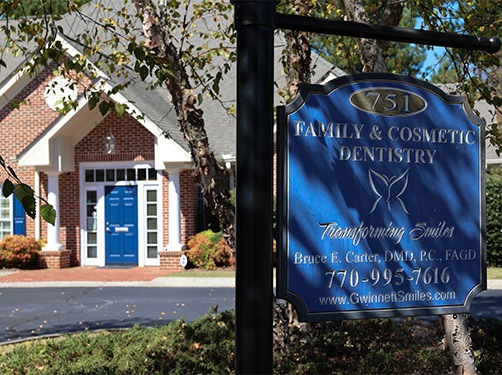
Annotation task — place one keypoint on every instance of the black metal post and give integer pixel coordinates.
(254, 22)
(396, 34)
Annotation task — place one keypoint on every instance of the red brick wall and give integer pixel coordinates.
(170, 260)
(188, 205)
(134, 142)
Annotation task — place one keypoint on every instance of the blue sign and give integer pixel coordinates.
(381, 200)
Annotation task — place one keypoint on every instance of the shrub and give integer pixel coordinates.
(494, 218)
(207, 346)
(18, 252)
(208, 250)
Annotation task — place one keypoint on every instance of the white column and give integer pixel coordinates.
(231, 177)
(174, 211)
(38, 229)
(53, 199)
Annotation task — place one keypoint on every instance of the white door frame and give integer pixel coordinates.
(143, 186)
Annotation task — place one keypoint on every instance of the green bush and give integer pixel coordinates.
(202, 347)
(494, 218)
(208, 250)
(18, 252)
(207, 346)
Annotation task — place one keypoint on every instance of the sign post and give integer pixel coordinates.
(255, 144)
(382, 204)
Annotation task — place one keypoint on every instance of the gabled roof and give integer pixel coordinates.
(154, 105)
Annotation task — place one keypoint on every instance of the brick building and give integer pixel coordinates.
(123, 186)
(124, 192)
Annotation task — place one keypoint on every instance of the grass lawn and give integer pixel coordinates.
(195, 272)
(494, 273)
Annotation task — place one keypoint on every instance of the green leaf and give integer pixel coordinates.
(104, 107)
(48, 213)
(7, 188)
(12, 172)
(120, 109)
(29, 206)
(93, 101)
(25, 195)
(116, 89)
(143, 72)
(139, 53)
(23, 191)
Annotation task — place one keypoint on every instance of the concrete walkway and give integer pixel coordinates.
(109, 276)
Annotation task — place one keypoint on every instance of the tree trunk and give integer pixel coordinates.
(371, 57)
(458, 341)
(190, 119)
(297, 54)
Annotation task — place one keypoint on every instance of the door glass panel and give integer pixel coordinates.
(90, 209)
(151, 223)
(141, 174)
(110, 175)
(151, 196)
(91, 200)
(92, 196)
(92, 238)
(100, 175)
(89, 175)
(121, 173)
(152, 238)
(92, 252)
(152, 252)
(151, 209)
(131, 174)
(152, 174)
(92, 223)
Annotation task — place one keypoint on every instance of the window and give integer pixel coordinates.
(120, 174)
(151, 224)
(12, 217)
(5, 221)
(91, 200)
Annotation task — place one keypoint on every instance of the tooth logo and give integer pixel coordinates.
(390, 189)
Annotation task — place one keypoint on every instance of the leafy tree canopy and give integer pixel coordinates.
(43, 7)
(189, 46)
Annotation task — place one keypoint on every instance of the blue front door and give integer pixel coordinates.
(121, 218)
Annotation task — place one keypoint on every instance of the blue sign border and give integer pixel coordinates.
(286, 278)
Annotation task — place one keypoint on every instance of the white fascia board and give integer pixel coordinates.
(13, 86)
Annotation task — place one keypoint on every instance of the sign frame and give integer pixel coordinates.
(284, 274)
